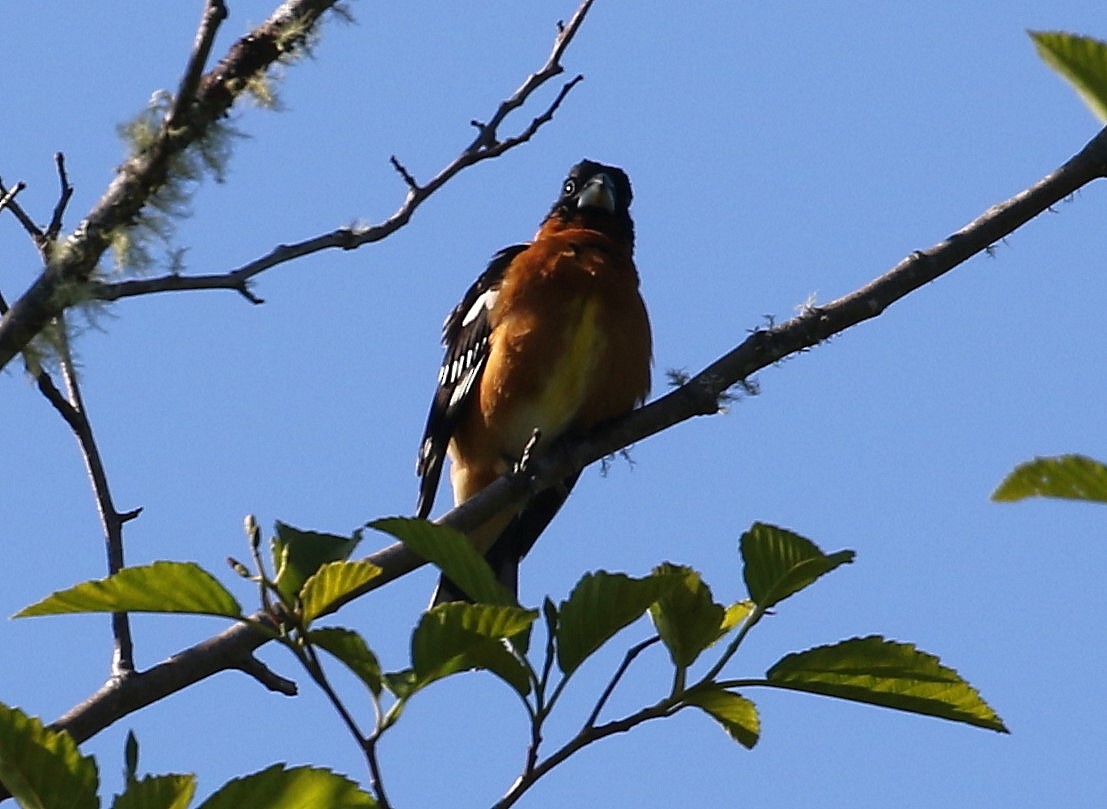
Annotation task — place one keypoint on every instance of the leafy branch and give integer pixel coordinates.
(314, 572)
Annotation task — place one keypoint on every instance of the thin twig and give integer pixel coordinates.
(172, 283)
(28, 224)
(588, 735)
(266, 676)
(631, 654)
(7, 197)
(111, 520)
(64, 195)
(310, 660)
(147, 171)
(486, 146)
(401, 169)
(214, 13)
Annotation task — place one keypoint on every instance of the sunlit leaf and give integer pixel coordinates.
(686, 616)
(452, 553)
(178, 587)
(1072, 477)
(779, 563)
(457, 636)
(351, 648)
(600, 605)
(42, 768)
(158, 792)
(735, 614)
(735, 713)
(295, 788)
(298, 554)
(886, 673)
(333, 582)
(1081, 60)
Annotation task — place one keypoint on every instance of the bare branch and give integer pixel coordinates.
(172, 283)
(266, 676)
(64, 195)
(8, 197)
(71, 408)
(28, 224)
(486, 146)
(699, 396)
(214, 14)
(403, 172)
(145, 173)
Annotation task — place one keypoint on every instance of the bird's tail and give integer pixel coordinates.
(513, 542)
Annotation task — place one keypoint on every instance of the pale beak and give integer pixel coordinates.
(599, 192)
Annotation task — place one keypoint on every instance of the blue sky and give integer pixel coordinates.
(779, 153)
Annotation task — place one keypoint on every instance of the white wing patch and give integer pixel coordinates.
(485, 301)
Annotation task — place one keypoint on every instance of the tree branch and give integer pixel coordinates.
(143, 174)
(699, 396)
(215, 12)
(64, 195)
(7, 197)
(485, 146)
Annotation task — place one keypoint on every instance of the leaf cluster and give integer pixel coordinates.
(314, 574)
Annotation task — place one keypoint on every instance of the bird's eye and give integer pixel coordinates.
(569, 187)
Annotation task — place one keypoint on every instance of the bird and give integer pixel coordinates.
(551, 340)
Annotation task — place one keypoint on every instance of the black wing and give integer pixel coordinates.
(465, 335)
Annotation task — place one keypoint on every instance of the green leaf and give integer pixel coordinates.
(161, 587)
(1072, 477)
(295, 788)
(298, 554)
(735, 713)
(457, 636)
(351, 648)
(1081, 60)
(402, 684)
(889, 674)
(686, 616)
(43, 768)
(331, 584)
(158, 792)
(735, 614)
(130, 757)
(451, 552)
(779, 563)
(600, 605)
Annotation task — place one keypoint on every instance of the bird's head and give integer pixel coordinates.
(596, 197)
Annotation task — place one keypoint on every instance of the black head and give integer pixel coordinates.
(598, 197)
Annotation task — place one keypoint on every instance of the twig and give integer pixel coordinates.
(631, 654)
(147, 171)
(485, 146)
(7, 197)
(266, 676)
(71, 407)
(172, 283)
(310, 660)
(664, 708)
(403, 172)
(214, 13)
(64, 195)
(28, 224)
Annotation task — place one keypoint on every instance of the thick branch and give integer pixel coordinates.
(140, 177)
(699, 396)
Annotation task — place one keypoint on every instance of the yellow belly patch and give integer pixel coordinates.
(567, 382)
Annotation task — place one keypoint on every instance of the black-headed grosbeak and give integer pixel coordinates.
(553, 337)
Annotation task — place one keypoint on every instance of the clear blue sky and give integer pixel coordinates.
(778, 152)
